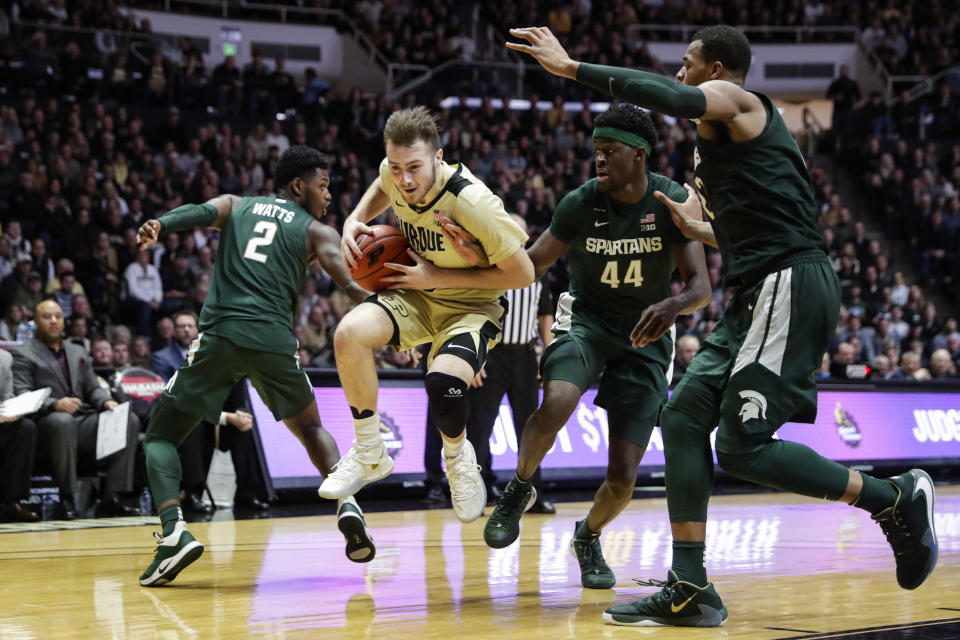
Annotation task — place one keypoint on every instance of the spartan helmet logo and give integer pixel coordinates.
(374, 256)
(754, 406)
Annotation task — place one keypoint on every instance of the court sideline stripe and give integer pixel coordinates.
(891, 627)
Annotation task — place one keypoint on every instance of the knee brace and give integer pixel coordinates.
(448, 402)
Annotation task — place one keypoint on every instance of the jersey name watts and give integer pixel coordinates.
(268, 210)
(623, 246)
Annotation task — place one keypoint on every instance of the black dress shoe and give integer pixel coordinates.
(16, 512)
(113, 509)
(247, 500)
(66, 510)
(194, 502)
(542, 505)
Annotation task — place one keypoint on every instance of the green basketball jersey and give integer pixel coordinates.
(620, 256)
(759, 199)
(260, 263)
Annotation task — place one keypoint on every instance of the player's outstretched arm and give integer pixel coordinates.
(716, 100)
(657, 319)
(323, 245)
(373, 202)
(211, 214)
(545, 252)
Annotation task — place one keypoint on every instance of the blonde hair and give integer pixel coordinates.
(408, 126)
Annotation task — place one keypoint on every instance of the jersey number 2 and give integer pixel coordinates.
(611, 274)
(703, 197)
(268, 229)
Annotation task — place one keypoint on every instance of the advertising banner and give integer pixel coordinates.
(850, 426)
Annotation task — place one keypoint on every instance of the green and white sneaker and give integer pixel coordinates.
(503, 526)
(174, 553)
(595, 573)
(908, 525)
(679, 604)
(360, 546)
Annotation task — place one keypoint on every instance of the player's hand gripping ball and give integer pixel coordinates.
(385, 245)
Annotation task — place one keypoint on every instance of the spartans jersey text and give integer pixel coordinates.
(624, 246)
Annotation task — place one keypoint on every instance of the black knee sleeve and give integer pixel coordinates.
(448, 402)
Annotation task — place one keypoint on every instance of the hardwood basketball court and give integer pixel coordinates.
(786, 567)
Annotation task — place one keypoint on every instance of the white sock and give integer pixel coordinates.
(367, 431)
(451, 448)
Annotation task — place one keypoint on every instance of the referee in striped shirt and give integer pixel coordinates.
(512, 368)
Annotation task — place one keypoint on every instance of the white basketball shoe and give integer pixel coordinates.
(467, 491)
(356, 469)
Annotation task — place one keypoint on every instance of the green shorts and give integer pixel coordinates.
(755, 370)
(202, 384)
(633, 387)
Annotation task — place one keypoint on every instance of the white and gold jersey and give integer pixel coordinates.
(469, 203)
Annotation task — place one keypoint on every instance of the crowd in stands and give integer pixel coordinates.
(84, 161)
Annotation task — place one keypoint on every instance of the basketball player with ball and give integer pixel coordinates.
(438, 298)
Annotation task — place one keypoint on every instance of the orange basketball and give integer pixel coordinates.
(386, 244)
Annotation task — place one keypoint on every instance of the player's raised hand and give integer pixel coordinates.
(147, 234)
(419, 275)
(348, 241)
(546, 49)
(462, 241)
(684, 213)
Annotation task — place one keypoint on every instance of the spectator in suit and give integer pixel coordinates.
(68, 419)
(166, 361)
(18, 444)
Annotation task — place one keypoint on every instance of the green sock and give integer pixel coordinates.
(688, 562)
(168, 518)
(876, 495)
(522, 483)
